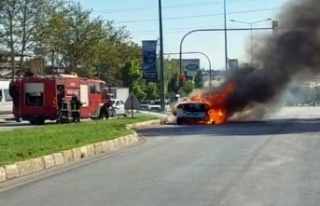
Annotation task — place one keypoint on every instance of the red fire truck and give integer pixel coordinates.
(36, 98)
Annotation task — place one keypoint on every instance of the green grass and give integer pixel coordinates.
(24, 144)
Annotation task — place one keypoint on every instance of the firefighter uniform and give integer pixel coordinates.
(63, 112)
(105, 110)
(75, 108)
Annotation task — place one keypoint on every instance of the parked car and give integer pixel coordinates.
(119, 109)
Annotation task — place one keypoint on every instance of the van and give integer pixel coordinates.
(5, 98)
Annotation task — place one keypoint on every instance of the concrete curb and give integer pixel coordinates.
(31, 166)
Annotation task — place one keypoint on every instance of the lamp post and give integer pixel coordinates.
(162, 97)
(251, 27)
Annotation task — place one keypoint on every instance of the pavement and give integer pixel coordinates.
(270, 162)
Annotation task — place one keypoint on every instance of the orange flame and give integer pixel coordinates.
(217, 112)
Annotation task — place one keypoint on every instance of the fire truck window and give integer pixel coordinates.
(92, 88)
(98, 87)
(34, 99)
(7, 96)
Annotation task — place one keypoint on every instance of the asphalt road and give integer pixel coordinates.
(272, 162)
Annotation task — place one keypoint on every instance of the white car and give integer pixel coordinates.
(5, 98)
(118, 106)
(191, 112)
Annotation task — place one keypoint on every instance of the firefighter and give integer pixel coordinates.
(60, 96)
(105, 108)
(14, 92)
(63, 112)
(75, 108)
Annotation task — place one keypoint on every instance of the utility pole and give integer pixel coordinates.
(162, 97)
(225, 34)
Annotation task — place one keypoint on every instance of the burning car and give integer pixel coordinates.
(192, 112)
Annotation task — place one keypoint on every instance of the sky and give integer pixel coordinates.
(180, 16)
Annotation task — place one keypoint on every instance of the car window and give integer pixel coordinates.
(193, 107)
(121, 102)
(1, 96)
(118, 103)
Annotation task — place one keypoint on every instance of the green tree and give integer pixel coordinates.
(173, 83)
(198, 80)
(187, 88)
(152, 91)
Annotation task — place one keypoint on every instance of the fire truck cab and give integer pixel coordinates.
(36, 98)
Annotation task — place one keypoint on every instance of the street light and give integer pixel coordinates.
(251, 26)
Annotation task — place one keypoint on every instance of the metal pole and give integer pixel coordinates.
(251, 38)
(207, 30)
(225, 34)
(251, 45)
(162, 97)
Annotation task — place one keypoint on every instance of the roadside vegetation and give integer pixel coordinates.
(24, 144)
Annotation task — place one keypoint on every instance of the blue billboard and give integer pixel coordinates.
(149, 64)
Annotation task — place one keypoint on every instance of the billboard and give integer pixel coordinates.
(190, 67)
(149, 65)
(233, 64)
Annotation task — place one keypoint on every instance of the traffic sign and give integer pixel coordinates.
(132, 103)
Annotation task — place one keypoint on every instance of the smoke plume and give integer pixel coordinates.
(281, 57)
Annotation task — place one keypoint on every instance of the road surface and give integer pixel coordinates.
(274, 162)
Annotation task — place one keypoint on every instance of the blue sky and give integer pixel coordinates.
(181, 16)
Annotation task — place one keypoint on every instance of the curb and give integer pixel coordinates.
(31, 166)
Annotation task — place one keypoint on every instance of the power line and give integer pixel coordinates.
(173, 6)
(196, 16)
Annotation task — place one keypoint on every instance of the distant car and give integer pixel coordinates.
(191, 112)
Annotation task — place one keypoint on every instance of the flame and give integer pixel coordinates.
(217, 113)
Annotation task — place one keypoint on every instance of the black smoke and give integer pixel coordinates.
(281, 58)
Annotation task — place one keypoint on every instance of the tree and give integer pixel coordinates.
(152, 91)
(187, 88)
(19, 20)
(198, 80)
(173, 83)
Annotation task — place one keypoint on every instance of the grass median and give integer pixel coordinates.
(28, 143)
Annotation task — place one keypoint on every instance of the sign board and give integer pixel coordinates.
(149, 64)
(233, 64)
(191, 66)
(132, 103)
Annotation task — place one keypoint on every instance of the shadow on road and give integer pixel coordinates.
(269, 127)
